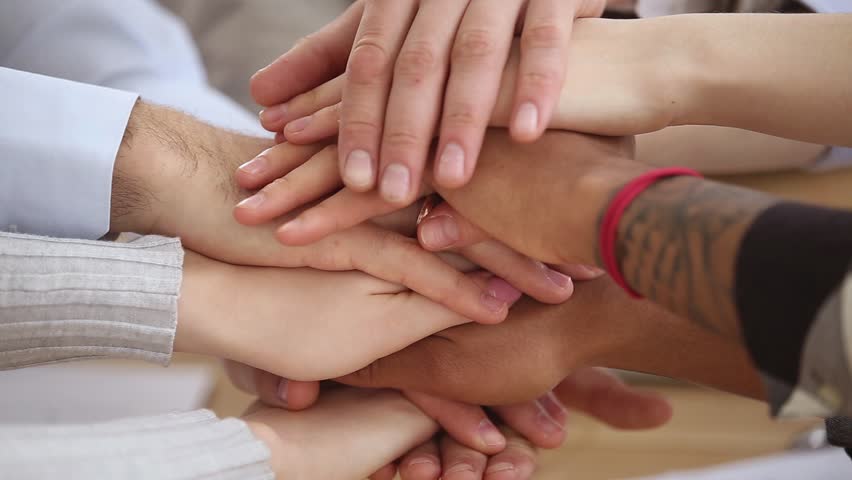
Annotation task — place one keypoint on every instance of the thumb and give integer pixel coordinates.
(601, 394)
(444, 228)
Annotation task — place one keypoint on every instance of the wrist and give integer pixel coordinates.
(687, 56)
(142, 167)
(273, 442)
(599, 187)
(198, 322)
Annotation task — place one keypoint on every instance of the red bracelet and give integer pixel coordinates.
(619, 204)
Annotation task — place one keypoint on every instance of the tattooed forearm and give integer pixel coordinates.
(677, 245)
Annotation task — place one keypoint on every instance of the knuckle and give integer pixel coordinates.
(359, 128)
(403, 140)
(462, 115)
(416, 62)
(540, 80)
(368, 61)
(279, 185)
(543, 35)
(474, 45)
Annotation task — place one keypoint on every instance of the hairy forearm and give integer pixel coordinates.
(723, 150)
(164, 156)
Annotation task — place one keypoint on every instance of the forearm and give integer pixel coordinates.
(166, 163)
(747, 267)
(645, 337)
(706, 69)
(723, 151)
(785, 75)
(677, 244)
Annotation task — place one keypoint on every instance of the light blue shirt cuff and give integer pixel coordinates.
(58, 144)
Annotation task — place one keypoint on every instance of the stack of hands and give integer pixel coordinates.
(470, 308)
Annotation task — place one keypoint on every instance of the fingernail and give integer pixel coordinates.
(503, 291)
(439, 233)
(273, 114)
(358, 170)
(396, 183)
(493, 303)
(253, 202)
(526, 120)
(255, 166)
(551, 415)
(557, 278)
(593, 271)
(298, 125)
(451, 164)
(500, 467)
(282, 390)
(291, 226)
(489, 433)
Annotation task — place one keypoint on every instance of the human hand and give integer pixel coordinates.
(305, 324)
(408, 61)
(377, 427)
(540, 422)
(570, 176)
(173, 178)
(595, 392)
(280, 195)
(538, 346)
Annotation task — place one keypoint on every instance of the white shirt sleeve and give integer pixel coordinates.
(58, 143)
(132, 45)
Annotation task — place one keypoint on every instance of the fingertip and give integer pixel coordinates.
(302, 395)
(246, 212)
(359, 171)
(438, 233)
(294, 233)
(493, 310)
(395, 185)
(503, 291)
(450, 170)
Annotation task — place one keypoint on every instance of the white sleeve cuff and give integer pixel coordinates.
(58, 144)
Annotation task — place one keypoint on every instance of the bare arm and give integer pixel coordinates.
(724, 151)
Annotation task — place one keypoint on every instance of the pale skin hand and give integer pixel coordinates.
(304, 324)
(379, 426)
(411, 60)
(172, 177)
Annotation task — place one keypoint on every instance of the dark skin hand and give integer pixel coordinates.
(539, 345)
(677, 242)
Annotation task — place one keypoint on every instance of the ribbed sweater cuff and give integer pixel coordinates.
(64, 300)
(182, 446)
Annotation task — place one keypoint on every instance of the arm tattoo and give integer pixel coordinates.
(678, 242)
